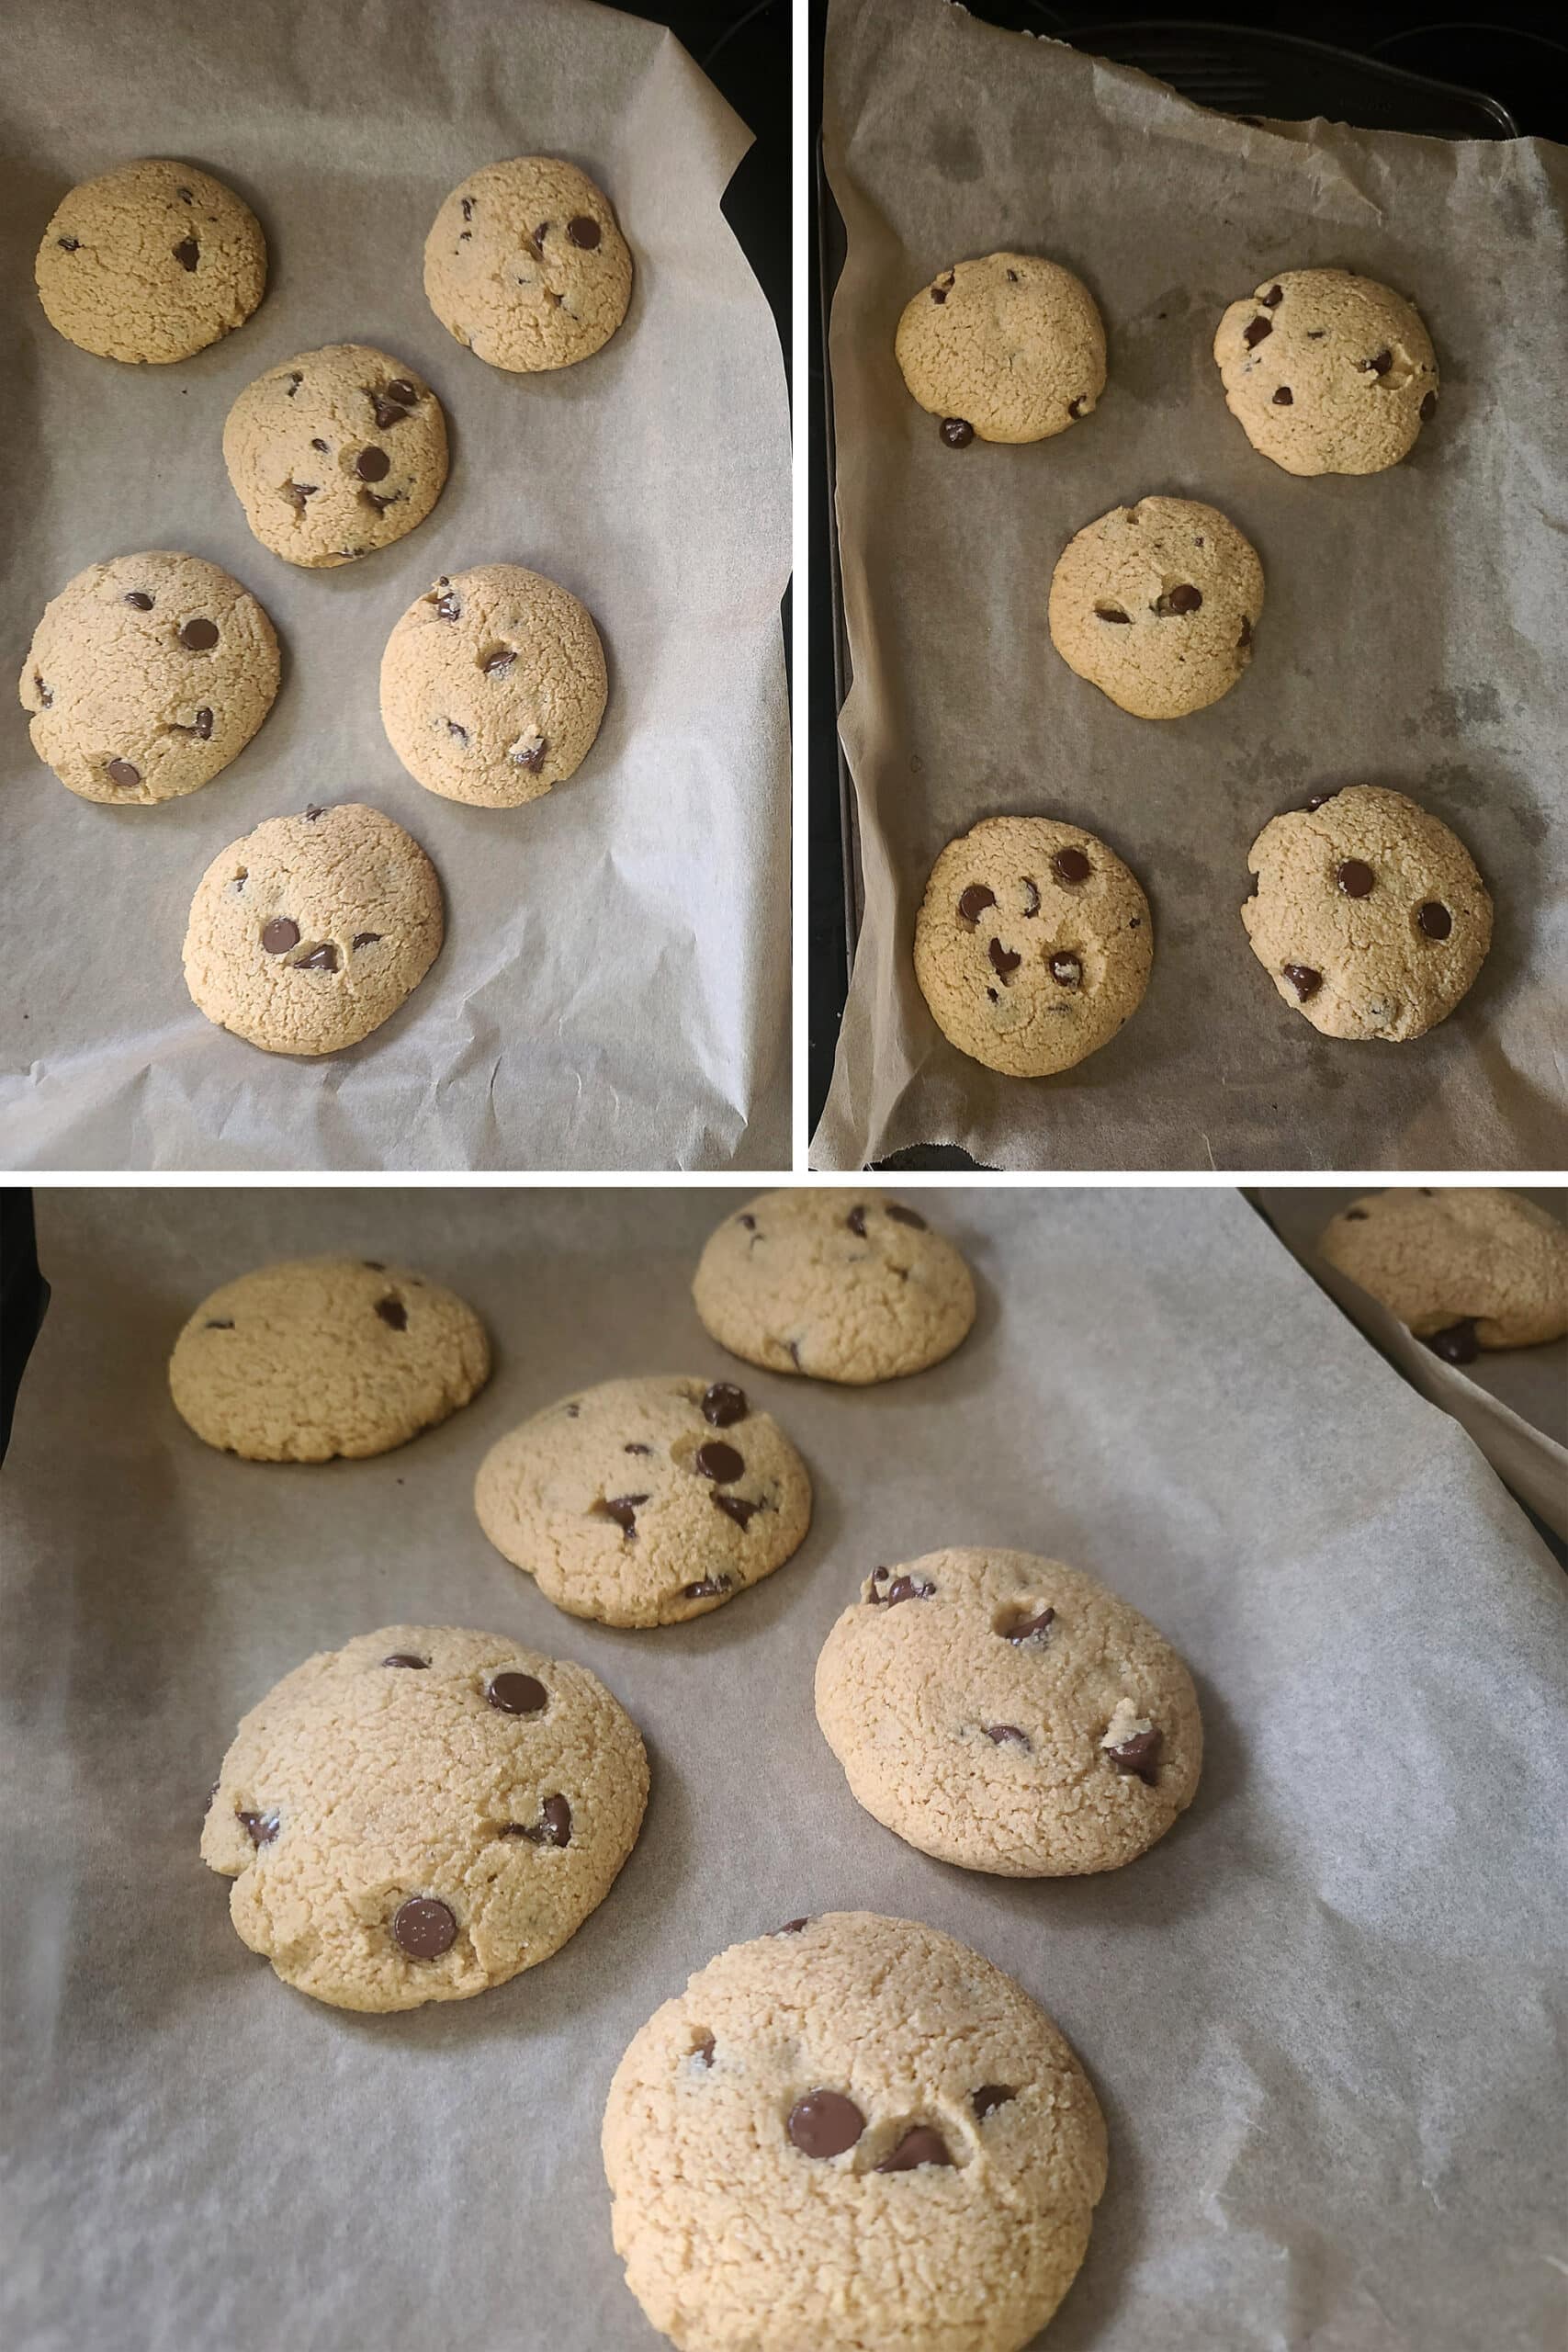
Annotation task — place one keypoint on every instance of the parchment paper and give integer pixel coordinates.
(1513, 1401)
(1319, 2015)
(1411, 635)
(614, 989)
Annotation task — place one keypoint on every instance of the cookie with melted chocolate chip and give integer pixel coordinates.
(1328, 373)
(335, 453)
(150, 263)
(525, 265)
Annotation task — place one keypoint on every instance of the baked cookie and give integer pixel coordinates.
(325, 1356)
(1008, 1714)
(146, 676)
(1033, 945)
(335, 453)
(526, 266)
(492, 686)
(1368, 915)
(1328, 373)
(424, 1814)
(1156, 605)
(1010, 349)
(840, 1285)
(307, 933)
(645, 1502)
(1465, 1266)
(153, 261)
(853, 2131)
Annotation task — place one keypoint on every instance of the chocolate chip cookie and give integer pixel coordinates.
(853, 2131)
(1156, 605)
(1009, 348)
(1369, 914)
(335, 453)
(1328, 373)
(1465, 1266)
(424, 1814)
(524, 265)
(146, 676)
(645, 1502)
(1009, 1714)
(150, 262)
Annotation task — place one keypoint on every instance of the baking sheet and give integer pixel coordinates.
(1411, 634)
(1338, 1975)
(614, 989)
(1513, 1401)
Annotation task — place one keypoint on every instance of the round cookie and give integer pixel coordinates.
(335, 453)
(153, 261)
(318, 1357)
(1033, 945)
(852, 2132)
(1156, 605)
(1009, 348)
(1328, 373)
(526, 266)
(424, 1814)
(1008, 1714)
(645, 1502)
(840, 1285)
(146, 675)
(1369, 914)
(307, 933)
(493, 687)
(1464, 1266)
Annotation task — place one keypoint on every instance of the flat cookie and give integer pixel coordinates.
(424, 1814)
(150, 262)
(840, 1285)
(1010, 349)
(335, 453)
(1369, 914)
(1008, 1714)
(854, 2131)
(324, 1356)
(645, 1502)
(493, 687)
(146, 676)
(1156, 605)
(526, 266)
(1033, 945)
(307, 933)
(1328, 373)
(1466, 1267)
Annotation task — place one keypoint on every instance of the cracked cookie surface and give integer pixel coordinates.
(1328, 373)
(493, 685)
(853, 2131)
(1009, 1714)
(524, 265)
(335, 453)
(645, 1502)
(422, 1814)
(840, 1285)
(308, 932)
(150, 262)
(1008, 348)
(317, 1357)
(1033, 945)
(146, 675)
(1369, 915)
(1470, 1265)
(1155, 603)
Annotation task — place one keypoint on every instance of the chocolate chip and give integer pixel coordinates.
(121, 772)
(1256, 330)
(372, 464)
(920, 2146)
(907, 1589)
(513, 1693)
(989, 2097)
(703, 2050)
(458, 734)
(793, 1927)
(529, 752)
(321, 446)
(901, 1216)
(573, 1411)
(1355, 1217)
(1113, 613)
(709, 1587)
(366, 938)
(298, 492)
(1457, 1343)
(999, 1733)
(1284, 397)
(553, 1826)
(748, 1222)
(45, 694)
(1378, 366)
(1071, 865)
(635, 1448)
(203, 723)
(584, 231)
(425, 1927)
(724, 1405)
(1356, 878)
(375, 1265)
(140, 599)
(279, 935)
(400, 390)
(447, 607)
(187, 253)
(1245, 640)
(295, 380)
(70, 243)
(1067, 970)
(393, 1313)
(218, 1323)
(468, 204)
(387, 410)
(1028, 1625)
(212, 1793)
(956, 431)
(938, 293)
(263, 1827)
(320, 959)
(737, 1508)
(1003, 959)
(1321, 800)
(377, 505)
(198, 636)
(717, 1461)
(1435, 920)
(1304, 980)
(1183, 598)
(499, 664)
(1137, 1755)
(1429, 407)
(974, 901)
(825, 2123)
(406, 1657)
(1272, 300)
(856, 1220)
(623, 1510)
(1075, 408)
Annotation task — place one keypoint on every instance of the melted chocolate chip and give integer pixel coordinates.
(279, 935)
(1457, 1343)
(366, 938)
(387, 412)
(1245, 640)
(263, 1827)
(321, 446)
(402, 391)
(737, 1508)
(825, 2124)
(1003, 960)
(793, 1927)
(372, 464)
(974, 901)
(906, 1588)
(1255, 332)
(724, 1405)
(448, 608)
(121, 772)
(920, 2146)
(377, 505)
(1429, 407)
(513, 1693)
(1435, 920)
(708, 1588)
(1182, 598)
(716, 1460)
(198, 636)
(1321, 800)
(203, 727)
(320, 959)
(1028, 1625)
(406, 1657)
(468, 204)
(856, 1220)
(1071, 865)
(425, 1927)
(703, 2050)
(1137, 1755)
(1067, 970)
(635, 1448)
(1378, 365)
(1075, 408)
(458, 734)
(187, 253)
(901, 1216)
(298, 492)
(529, 754)
(999, 1733)
(499, 664)
(1284, 397)
(1355, 1217)
(956, 431)
(218, 1323)
(1356, 878)
(989, 2097)
(393, 1313)
(553, 1826)
(748, 1222)
(1272, 300)
(623, 1510)
(140, 599)
(1304, 980)
(69, 243)
(584, 231)
(1113, 613)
